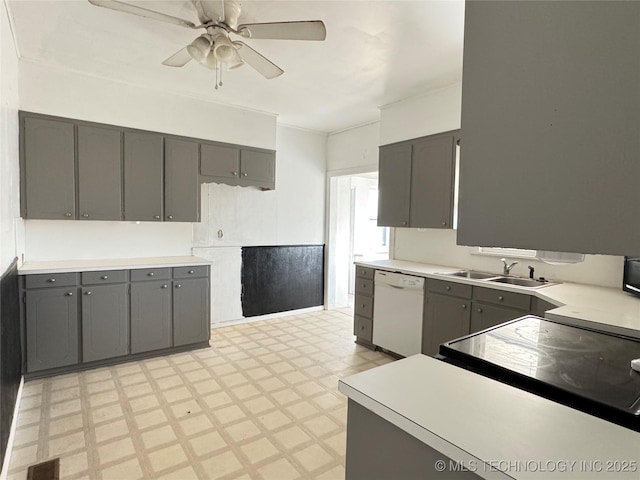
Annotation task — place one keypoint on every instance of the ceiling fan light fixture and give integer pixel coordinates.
(200, 48)
(223, 49)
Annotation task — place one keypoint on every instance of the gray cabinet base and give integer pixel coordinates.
(365, 343)
(377, 449)
(113, 361)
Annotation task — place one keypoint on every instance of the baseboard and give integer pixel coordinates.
(14, 424)
(258, 318)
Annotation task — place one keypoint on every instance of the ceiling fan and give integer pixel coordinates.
(220, 18)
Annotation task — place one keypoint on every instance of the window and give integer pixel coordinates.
(506, 252)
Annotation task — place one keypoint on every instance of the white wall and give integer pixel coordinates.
(9, 170)
(69, 94)
(433, 112)
(292, 214)
(354, 150)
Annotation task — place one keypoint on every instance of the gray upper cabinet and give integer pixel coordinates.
(51, 328)
(150, 316)
(237, 166)
(550, 115)
(105, 322)
(190, 311)
(143, 176)
(181, 181)
(48, 163)
(257, 168)
(416, 182)
(99, 173)
(220, 161)
(394, 178)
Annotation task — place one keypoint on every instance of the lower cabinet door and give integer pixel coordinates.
(446, 318)
(190, 311)
(486, 316)
(150, 316)
(51, 328)
(105, 322)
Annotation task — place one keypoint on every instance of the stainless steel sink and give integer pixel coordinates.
(521, 282)
(471, 274)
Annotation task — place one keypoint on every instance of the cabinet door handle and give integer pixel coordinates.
(170, 217)
(447, 288)
(165, 286)
(105, 277)
(157, 217)
(500, 297)
(85, 215)
(178, 286)
(151, 274)
(235, 174)
(191, 272)
(52, 280)
(464, 305)
(244, 174)
(404, 223)
(69, 294)
(68, 214)
(444, 224)
(88, 293)
(479, 310)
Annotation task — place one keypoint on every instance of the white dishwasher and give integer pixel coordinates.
(397, 312)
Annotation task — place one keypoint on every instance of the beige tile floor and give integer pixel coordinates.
(262, 403)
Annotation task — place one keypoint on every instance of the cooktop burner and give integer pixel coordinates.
(587, 369)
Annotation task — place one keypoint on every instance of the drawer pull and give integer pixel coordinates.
(151, 274)
(69, 294)
(464, 305)
(479, 310)
(88, 293)
(105, 277)
(52, 280)
(363, 305)
(191, 272)
(447, 287)
(364, 285)
(165, 286)
(178, 286)
(500, 297)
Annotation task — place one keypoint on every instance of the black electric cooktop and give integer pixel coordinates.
(584, 369)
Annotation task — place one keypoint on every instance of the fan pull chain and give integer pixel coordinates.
(216, 74)
(220, 75)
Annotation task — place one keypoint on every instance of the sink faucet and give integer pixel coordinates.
(507, 266)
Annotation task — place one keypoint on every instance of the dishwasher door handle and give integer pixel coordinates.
(396, 286)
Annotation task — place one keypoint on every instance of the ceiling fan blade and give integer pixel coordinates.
(214, 9)
(143, 12)
(178, 59)
(305, 30)
(260, 64)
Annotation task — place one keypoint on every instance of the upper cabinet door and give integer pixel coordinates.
(394, 180)
(48, 162)
(432, 174)
(181, 181)
(99, 173)
(550, 115)
(220, 161)
(258, 168)
(143, 176)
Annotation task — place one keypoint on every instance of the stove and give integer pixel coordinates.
(585, 369)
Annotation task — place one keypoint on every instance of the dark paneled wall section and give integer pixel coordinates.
(281, 278)
(10, 355)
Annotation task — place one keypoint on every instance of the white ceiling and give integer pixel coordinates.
(376, 53)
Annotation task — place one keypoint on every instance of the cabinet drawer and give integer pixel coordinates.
(449, 288)
(364, 306)
(189, 272)
(363, 327)
(500, 297)
(364, 286)
(51, 280)
(142, 274)
(364, 272)
(105, 276)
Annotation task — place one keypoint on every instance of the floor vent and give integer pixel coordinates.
(49, 470)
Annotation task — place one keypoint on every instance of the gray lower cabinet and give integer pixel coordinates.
(445, 318)
(485, 315)
(143, 176)
(150, 316)
(48, 169)
(99, 173)
(363, 306)
(181, 181)
(416, 182)
(190, 311)
(51, 317)
(105, 321)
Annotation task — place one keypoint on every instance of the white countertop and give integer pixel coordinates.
(109, 264)
(602, 308)
(497, 430)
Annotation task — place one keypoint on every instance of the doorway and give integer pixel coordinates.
(353, 233)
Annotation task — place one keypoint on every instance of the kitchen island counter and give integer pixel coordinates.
(495, 430)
